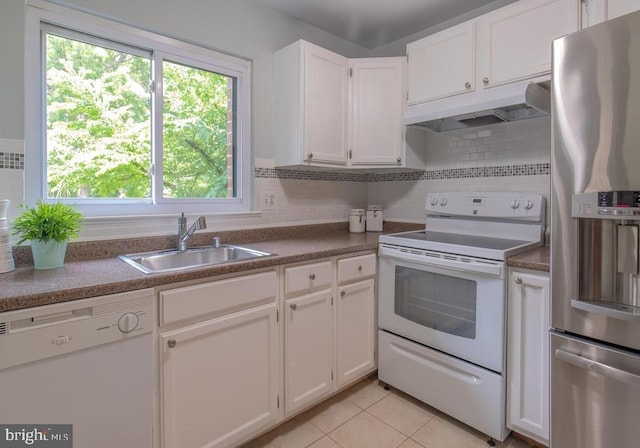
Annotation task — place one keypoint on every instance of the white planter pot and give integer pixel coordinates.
(48, 255)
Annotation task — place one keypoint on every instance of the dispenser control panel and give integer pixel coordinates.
(619, 199)
(607, 205)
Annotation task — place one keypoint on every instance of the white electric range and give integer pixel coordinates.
(442, 302)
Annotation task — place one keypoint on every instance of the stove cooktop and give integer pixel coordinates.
(470, 245)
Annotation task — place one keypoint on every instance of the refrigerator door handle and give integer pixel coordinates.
(598, 367)
(609, 309)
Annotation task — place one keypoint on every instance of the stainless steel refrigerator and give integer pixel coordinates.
(595, 227)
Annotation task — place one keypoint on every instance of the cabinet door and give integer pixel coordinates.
(325, 84)
(617, 8)
(376, 105)
(442, 64)
(219, 379)
(308, 349)
(514, 42)
(355, 331)
(596, 11)
(528, 355)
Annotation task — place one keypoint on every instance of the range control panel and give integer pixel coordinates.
(521, 206)
(606, 205)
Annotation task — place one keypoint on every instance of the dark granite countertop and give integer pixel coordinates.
(27, 287)
(537, 259)
(83, 277)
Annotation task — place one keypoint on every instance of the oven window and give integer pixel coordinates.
(440, 302)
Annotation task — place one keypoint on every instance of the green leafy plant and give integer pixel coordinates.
(47, 222)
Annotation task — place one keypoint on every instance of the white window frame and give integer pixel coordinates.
(39, 13)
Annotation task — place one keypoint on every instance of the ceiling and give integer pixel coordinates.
(373, 23)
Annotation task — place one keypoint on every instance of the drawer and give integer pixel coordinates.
(217, 298)
(356, 268)
(299, 279)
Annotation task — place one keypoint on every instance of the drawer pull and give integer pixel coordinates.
(171, 343)
(342, 293)
(360, 268)
(312, 276)
(293, 306)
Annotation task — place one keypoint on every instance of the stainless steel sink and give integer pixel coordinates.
(174, 260)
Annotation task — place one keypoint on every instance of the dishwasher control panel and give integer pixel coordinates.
(42, 332)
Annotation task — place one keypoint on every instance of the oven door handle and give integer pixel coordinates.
(487, 268)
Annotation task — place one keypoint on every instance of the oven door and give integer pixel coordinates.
(451, 303)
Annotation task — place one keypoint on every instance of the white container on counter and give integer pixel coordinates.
(374, 218)
(356, 220)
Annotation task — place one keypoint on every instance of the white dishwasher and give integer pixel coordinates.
(88, 363)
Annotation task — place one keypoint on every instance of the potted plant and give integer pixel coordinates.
(48, 226)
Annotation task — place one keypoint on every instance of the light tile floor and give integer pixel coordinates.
(367, 416)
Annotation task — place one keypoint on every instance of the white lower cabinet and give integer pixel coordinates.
(235, 360)
(220, 378)
(528, 354)
(308, 349)
(329, 333)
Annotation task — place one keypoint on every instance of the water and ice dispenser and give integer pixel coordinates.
(608, 252)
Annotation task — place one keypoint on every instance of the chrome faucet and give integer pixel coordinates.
(184, 234)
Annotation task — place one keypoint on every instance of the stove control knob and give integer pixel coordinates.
(443, 202)
(528, 205)
(434, 200)
(515, 204)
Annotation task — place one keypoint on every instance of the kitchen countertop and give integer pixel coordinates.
(537, 259)
(77, 279)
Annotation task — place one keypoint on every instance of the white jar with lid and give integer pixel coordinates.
(374, 218)
(356, 220)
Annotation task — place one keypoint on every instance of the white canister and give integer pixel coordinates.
(356, 220)
(374, 218)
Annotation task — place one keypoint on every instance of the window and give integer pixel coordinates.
(129, 122)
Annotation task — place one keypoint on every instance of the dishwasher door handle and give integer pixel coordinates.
(598, 367)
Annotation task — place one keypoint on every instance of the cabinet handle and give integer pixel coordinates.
(171, 343)
(312, 276)
(293, 306)
(360, 268)
(467, 85)
(398, 159)
(518, 280)
(485, 81)
(342, 293)
(310, 155)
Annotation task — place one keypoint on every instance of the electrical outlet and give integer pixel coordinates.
(268, 200)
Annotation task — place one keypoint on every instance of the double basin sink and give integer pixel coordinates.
(175, 260)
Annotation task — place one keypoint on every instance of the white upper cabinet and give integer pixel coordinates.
(506, 45)
(310, 105)
(331, 111)
(376, 103)
(442, 64)
(514, 42)
(596, 11)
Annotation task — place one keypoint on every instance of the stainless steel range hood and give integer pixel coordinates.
(496, 105)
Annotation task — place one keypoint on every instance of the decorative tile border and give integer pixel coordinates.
(283, 173)
(529, 169)
(12, 160)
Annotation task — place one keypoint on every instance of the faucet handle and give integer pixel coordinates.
(216, 242)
